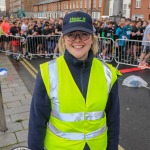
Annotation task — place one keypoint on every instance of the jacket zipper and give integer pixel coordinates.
(81, 77)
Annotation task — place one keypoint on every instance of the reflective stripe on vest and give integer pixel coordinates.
(108, 76)
(76, 136)
(73, 117)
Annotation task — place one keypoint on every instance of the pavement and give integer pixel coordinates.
(16, 100)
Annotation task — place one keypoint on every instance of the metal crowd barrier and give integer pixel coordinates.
(13, 45)
(42, 45)
(45, 46)
(106, 49)
(129, 51)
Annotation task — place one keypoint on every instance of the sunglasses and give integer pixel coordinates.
(73, 35)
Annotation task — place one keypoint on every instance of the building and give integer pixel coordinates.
(140, 9)
(12, 7)
(126, 8)
(2, 13)
(7, 7)
(58, 8)
(116, 8)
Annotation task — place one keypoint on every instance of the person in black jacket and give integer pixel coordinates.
(14, 38)
(75, 104)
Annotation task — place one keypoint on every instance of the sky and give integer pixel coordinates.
(2, 4)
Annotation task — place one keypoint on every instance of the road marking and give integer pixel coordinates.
(30, 71)
(120, 148)
(31, 66)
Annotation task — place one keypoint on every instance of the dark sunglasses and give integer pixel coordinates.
(73, 35)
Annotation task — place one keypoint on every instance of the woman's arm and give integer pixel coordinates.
(113, 118)
(39, 115)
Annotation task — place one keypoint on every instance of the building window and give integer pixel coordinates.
(100, 3)
(81, 4)
(85, 4)
(138, 16)
(70, 4)
(67, 5)
(89, 4)
(76, 3)
(138, 3)
(94, 3)
(124, 8)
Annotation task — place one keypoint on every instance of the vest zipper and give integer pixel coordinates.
(81, 76)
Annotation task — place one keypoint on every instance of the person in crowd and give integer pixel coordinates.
(127, 32)
(120, 43)
(6, 30)
(75, 100)
(14, 33)
(107, 33)
(46, 32)
(135, 33)
(58, 32)
(145, 54)
(38, 32)
(31, 44)
(51, 40)
(24, 26)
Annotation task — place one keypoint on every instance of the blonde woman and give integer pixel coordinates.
(75, 105)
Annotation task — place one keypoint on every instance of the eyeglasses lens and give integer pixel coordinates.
(82, 35)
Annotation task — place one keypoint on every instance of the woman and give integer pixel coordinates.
(75, 105)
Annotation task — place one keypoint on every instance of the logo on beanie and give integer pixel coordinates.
(77, 19)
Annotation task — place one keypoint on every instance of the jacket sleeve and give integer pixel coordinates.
(39, 115)
(113, 118)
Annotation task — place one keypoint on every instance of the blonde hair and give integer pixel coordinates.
(94, 46)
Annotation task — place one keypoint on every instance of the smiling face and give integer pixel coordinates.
(80, 45)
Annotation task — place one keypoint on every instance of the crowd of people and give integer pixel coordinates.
(40, 37)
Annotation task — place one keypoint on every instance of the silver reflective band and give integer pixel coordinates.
(94, 115)
(108, 76)
(76, 136)
(73, 117)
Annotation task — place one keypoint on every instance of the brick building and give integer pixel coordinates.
(58, 8)
(12, 7)
(140, 9)
(7, 7)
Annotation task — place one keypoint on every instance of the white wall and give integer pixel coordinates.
(111, 3)
(126, 9)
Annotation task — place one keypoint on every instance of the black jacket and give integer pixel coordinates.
(41, 106)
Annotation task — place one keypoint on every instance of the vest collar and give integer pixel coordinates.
(80, 63)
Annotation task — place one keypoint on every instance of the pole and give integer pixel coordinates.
(3, 127)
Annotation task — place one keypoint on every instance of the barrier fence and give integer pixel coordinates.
(42, 46)
(128, 52)
(13, 45)
(122, 51)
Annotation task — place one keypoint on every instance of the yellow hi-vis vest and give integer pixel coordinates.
(75, 121)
